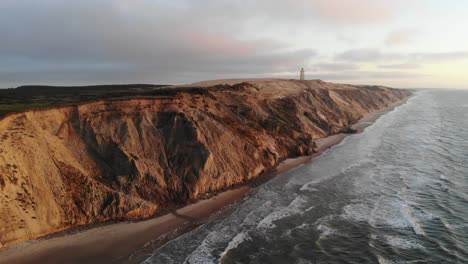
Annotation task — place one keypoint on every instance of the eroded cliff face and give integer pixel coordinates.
(129, 159)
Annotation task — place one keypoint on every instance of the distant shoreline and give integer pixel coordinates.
(128, 241)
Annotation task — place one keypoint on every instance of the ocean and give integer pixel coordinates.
(396, 193)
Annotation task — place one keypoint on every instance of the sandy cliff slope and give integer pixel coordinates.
(129, 159)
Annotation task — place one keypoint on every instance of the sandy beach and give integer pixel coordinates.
(126, 241)
(117, 242)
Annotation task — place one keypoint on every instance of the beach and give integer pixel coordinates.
(124, 242)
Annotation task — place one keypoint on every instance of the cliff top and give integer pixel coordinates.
(277, 87)
(45, 97)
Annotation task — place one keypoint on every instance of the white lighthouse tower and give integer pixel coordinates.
(302, 76)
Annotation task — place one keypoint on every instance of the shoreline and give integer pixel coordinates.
(127, 241)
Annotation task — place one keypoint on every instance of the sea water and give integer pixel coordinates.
(396, 193)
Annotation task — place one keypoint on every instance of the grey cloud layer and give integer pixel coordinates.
(174, 41)
(131, 39)
(375, 55)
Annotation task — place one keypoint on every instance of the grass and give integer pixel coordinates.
(36, 97)
(26, 98)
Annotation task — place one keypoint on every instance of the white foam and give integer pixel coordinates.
(408, 215)
(303, 226)
(236, 241)
(204, 252)
(295, 207)
(297, 204)
(252, 218)
(324, 228)
(383, 260)
(267, 222)
(200, 259)
(356, 212)
(386, 211)
(401, 242)
(306, 188)
(303, 261)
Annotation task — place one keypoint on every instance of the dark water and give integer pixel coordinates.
(397, 193)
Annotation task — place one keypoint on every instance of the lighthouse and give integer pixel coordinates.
(302, 76)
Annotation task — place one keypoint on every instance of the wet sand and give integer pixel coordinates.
(126, 242)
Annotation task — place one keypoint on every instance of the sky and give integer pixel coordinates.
(407, 44)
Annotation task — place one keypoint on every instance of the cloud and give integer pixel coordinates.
(353, 11)
(352, 75)
(368, 76)
(400, 37)
(391, 74)
(375, 56)
(346, 39)
(332, 66)
(365, 55)
(439, 56)
(136, 41)
(164, 41)
(342, 12)
(400, 66)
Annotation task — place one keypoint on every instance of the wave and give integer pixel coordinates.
(257, 214)
(323, 226)
(386, 211)
(235, 242)
(295, 207)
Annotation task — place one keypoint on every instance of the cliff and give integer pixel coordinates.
(129, 159)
